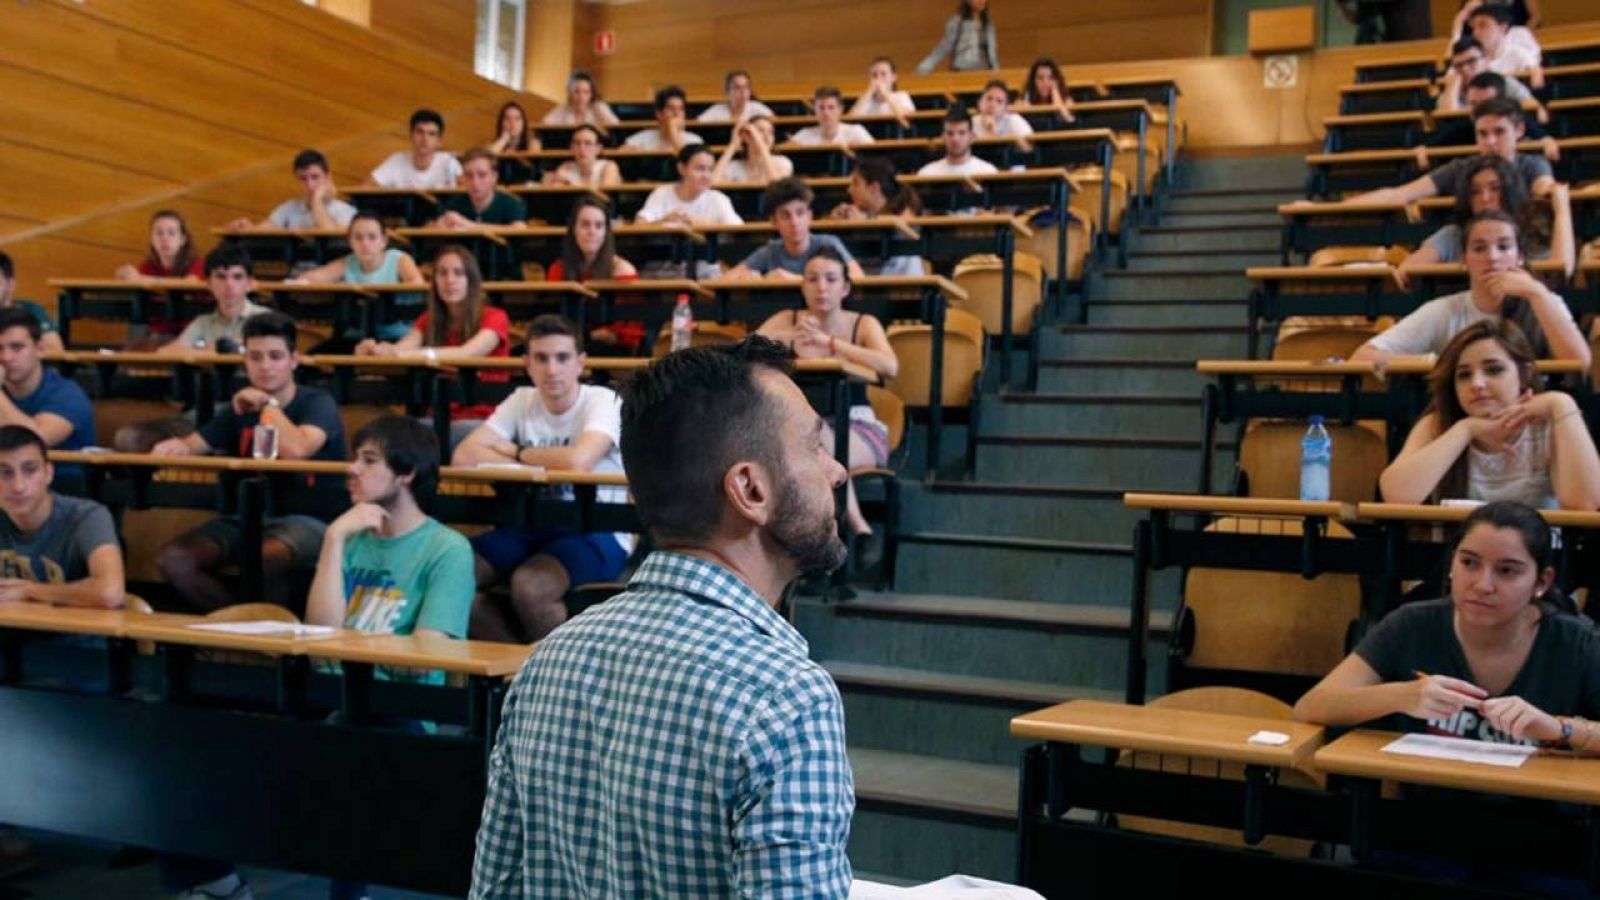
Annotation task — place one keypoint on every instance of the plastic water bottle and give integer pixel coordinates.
(1316, 458)
(682, 324)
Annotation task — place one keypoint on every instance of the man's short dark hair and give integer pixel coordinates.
(826, 90)
(958, 115)
(690, 151)
(1500, 14)
(269, 324)
(666, 94)
(7, 267)
(553, 325)
(305, 159)
(17, 317)
(15, 437)
(1492, 81)
(686, 420)
(408, 447)
(423, 116)
(1498, 106)
(1463, 45)
(787, 190)
(226, 255)
(727, 80)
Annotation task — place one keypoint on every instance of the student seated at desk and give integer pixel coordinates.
(824, 330)
(583, 106)
(995, 118)
(386, 566)
(484, 203)
(958, 157)
(53, 548)
(749, 158)
(691, 200)
(828, 104)
(876, 190)
(1507, 48)
(1458, 131)
(1490, 183)
(227, 270)
(1467, 63)
(589, 251)
(669, 133)
(586, 167)
(1497, 660)
(559, 423)
(36, 396)
(172, 253)
(789, 201)
(511, 130)
(50, 339)
(1498, 287)
(318, 206)
(308, 427)
(372, 261)
(1490, 434)
(459, 322)
(741, 104)
(1499, 126)
(1046, 86)
(968, 40)
(425, 166)
(882, 96)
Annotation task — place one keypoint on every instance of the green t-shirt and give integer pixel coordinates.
(421, 579)
(504, 209)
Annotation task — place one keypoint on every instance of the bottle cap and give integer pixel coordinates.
(1316, 419)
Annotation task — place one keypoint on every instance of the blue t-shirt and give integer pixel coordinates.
(60, 397)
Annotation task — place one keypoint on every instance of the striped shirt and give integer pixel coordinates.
(675, 741)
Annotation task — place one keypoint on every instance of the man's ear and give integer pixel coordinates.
(749, 489)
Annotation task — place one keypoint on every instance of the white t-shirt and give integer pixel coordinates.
(1433, 324)
(721, 113)
(738, 170)
(1008, 125)
(599, 114)
(297, 214)
(652, 139)
(972, 166)
(1519, 52)
(523, 419)
(397, 171)
(1520, 471)
(711, 206)
(899, 101)
(849, 133)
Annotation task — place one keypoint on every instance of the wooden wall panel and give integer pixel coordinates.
(449, 27)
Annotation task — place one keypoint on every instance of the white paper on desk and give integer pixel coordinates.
(951, 887)
(1434, 746)
(268, 627)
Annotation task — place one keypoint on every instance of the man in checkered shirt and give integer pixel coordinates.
(676, 740)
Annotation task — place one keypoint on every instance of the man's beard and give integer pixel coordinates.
(808, 538)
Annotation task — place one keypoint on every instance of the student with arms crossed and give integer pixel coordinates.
(789, 201)
(307, 422)
(425, 166)
(1491, 434)
(669, 133)
(958, 157)
(585, 167)
(484, 203)
(741, 103)
(50, 339)
(711, 689)
(559, 423)
(53, 549)
(828, 104)
(318, 206)
(1498, 287)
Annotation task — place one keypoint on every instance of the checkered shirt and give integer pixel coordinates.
(675, 741)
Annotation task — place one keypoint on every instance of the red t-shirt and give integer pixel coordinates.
(629, 332)
(496, 320)
(150, 269)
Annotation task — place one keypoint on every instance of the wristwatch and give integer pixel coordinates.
(273, 401)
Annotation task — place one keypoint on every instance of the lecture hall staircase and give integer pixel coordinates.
(1011, 588)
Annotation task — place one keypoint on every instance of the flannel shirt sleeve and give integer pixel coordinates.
(497, 866)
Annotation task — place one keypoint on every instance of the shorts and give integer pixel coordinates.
(873, 433)
(587, 558)
(301, 534)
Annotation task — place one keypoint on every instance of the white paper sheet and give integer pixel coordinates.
(951, 887)
(294, 629)
(1433, 746)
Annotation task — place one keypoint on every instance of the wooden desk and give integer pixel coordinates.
(108, 623)
(135, 300)
(1178, 731)
(1410, 68)
(1387, 96)
(410, 206)
(1374, 131)
(480, 658)
(287, 246)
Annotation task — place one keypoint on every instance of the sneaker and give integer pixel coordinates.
(231, 887)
